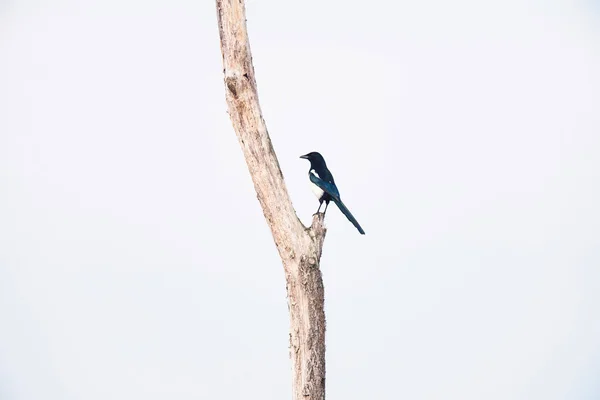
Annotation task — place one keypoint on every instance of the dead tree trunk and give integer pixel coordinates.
(299, 248)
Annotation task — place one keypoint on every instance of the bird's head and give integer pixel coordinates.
(314, 158)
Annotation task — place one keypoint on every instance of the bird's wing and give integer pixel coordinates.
(327, 187)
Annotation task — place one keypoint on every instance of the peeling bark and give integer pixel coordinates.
(299, 247)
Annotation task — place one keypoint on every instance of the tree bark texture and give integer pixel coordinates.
(299, 247)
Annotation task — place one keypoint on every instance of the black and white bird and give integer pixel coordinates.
(323, 186)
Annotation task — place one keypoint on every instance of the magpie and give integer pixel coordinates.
(323, 186)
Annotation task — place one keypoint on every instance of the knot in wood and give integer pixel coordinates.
(231, 83)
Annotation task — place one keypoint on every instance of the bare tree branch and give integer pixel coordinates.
(299, 248)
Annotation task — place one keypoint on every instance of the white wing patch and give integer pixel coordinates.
(315, 189)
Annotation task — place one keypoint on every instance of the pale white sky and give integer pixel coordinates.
(464, 136)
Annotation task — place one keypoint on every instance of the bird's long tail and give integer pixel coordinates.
(348, 214)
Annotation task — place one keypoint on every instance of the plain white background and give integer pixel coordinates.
(464, 136)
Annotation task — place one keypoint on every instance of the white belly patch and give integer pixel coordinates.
(315, 189)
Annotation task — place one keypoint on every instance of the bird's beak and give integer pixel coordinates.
(304, 156)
